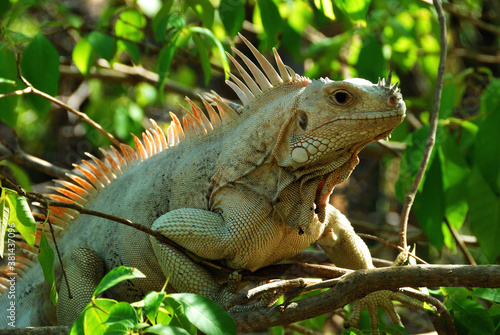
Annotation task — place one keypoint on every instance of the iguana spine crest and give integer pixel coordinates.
(98, 173)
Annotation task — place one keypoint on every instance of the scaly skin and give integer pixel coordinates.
(248, 194)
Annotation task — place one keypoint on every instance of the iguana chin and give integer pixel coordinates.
(248, 187)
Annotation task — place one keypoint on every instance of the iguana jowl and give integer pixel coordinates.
(248, 186)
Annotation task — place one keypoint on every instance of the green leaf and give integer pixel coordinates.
(103, 45)
(116, 276)
(46, 260)
(20, 215)
(271, 21)
(487, 149)
(204, 10)
(455, 173)
(179, 317)
(160, 21)
(130, 25)
(232, 14)
(91, 320)
(429, 204)
(210, 36)
(40, 66)
(131, 49)
(122, 313)
(204, 57)
(164, 61)
(469, 316)
(165, 315)
(152, 302)
(410, 160)
(355, 10)
(205, 314)
(325, 6)
(371, 63)
(491, 294)
(116, 329)
(84, 55)
(484, 214)
(165, 330)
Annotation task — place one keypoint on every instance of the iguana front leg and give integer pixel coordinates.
(346, 249)
(206, 234)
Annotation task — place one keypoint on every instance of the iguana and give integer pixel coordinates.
(247, 186)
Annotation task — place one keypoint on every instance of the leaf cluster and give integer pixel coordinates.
(158, 313)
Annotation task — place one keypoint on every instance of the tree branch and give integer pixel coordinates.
(358, 284)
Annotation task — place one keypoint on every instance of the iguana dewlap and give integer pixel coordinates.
(248, 187)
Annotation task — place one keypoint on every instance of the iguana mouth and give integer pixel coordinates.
(367, 116)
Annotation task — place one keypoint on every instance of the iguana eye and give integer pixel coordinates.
(341, 97)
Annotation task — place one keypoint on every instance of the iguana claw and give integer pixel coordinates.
(382, 299)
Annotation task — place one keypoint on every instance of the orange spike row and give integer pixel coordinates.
(83, 183)
(196, 123)
(25, 249)
(155, 148)
(179, 133)
(187, 126)
(63, 213)
(160, 134)
(231, 112)
(214, 117)
(115, 168)
(96, 172)
(198, 113)
(69, 194)
(106, 171)
(157, 140)
(141, 152)
(96, 183)
(148, 143)
(122, 163)
(75, 188)
(171, 135)
(129, 154)
(57, 221)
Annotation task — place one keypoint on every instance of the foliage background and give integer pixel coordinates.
(122, 62)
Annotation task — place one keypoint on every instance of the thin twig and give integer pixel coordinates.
(390, 244)
(461, 243)
(30, 89)
(54, 240)
(410, 196)
(440, 307)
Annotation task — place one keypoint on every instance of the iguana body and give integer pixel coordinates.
(249, 193)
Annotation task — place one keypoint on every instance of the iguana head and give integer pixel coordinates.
(332, 120)
(312, 129)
